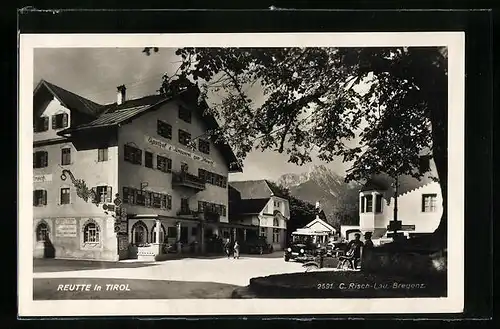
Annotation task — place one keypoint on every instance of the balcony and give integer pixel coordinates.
(188, 180)
(188, 213)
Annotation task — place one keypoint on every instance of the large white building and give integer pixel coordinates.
(136, 150)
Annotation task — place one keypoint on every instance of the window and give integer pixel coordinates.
(429, 202)
(156, 200)
(60, 121)
(194, 231)
(164, 129)
(184, 205)
(212, 178)
(378, 203)
(139, 233)
(104, 194)
(102, 154)
(40, 159)
(164, 164)
(65, 195)
(204, 146)
(39, 198)
(41, 124)
(263, 232)
(369, 203)
(148, 199)
(362, 203)
(66, 156)
(184, 114)
(276, 222)
(184, 137)
(133, 154)
(91, 233)
(153, 234)
(42, 232)
(276, 235)
(172, 232)
(184, 167)
(148, 159)
(219, 209)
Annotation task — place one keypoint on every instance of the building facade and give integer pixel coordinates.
(150, 174)
(419, 204)
(262, 208)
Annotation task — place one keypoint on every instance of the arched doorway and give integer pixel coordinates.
(139, 233)
(44, 244)
(162, 234)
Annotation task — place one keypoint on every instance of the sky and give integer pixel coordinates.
(94, 73)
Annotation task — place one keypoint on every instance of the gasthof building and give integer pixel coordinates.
(121, 180)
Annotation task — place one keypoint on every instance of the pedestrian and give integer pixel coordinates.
(227, 246)
(236, 250)
(354, 248)
(368, 240)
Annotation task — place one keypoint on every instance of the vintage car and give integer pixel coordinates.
(303, 248)
(256, 246)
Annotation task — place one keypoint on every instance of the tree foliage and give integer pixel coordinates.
(391, 103)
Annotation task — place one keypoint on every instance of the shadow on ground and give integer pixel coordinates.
(47, 289)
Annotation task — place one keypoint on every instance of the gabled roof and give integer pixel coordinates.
(247, 207)
(255, 189)
(407, 183)
(322, 222)
(71, 100)
(113, 114)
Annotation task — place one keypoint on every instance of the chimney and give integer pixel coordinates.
(121, 95)
(317, 205)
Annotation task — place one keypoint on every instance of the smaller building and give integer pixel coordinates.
(320, 230)
(260, 207)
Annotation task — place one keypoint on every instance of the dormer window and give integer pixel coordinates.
(60, 121)
(41, 124)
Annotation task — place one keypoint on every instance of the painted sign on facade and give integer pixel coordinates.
(168, 147)
(66, 227)
(42, 178)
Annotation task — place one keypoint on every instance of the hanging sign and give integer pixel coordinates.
(168, 147)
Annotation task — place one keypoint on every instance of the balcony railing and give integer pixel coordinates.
(188, 212)
(186, 179)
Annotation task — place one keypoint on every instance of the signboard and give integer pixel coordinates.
(66, 227)
(122, 242)
(123, 214)
(108, 207)
(168, 147)
(407, 227)
(42, 178)
(118, 201)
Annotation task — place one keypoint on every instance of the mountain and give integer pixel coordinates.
(338, 199)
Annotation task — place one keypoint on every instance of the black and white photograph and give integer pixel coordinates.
(241, 174)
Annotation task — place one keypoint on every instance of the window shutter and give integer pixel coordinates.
(109, 194)
(45, 159)
(64, 120)
(34, 198)
(34, 160)
(44, 197)
(423, 203)
(45, 123)
(54, 122)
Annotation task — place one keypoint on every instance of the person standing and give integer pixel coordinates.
(227, 248)
(368, 240)
(236, 251)
(354, 248)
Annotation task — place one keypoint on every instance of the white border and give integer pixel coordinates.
(455, 41)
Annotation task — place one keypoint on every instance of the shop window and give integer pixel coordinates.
(91, 233)
(42, 232)
(139, 233)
